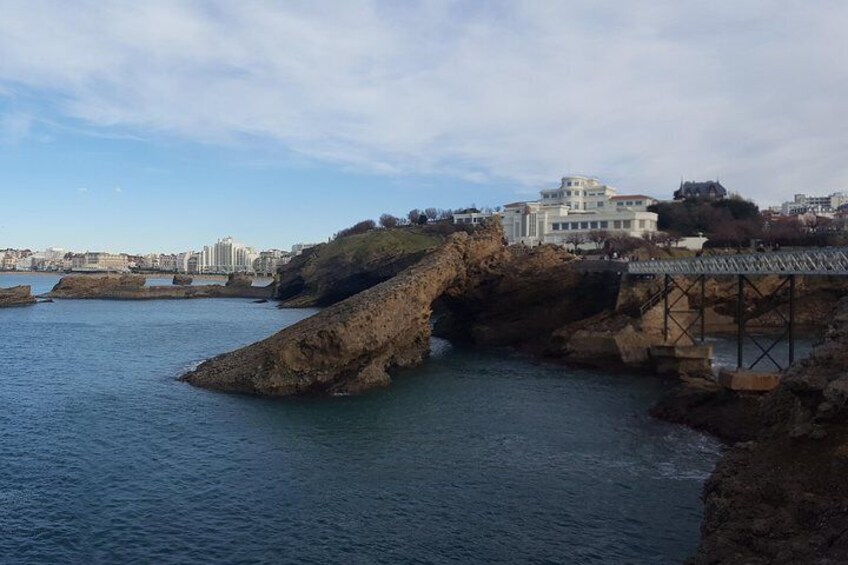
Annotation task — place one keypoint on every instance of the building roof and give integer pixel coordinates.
(711, 189)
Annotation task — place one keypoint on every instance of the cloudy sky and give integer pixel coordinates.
(164, 125)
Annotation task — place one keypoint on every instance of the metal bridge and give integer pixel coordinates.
(693, 272)
(808, 262)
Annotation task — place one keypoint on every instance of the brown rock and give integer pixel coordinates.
(351, 346)
(20, 295)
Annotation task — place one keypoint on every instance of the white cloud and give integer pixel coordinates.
(637, 93)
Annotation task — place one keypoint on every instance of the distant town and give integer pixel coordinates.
(223, 257)
(582, 212)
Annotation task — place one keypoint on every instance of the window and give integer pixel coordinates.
(600, 204)
(619, 203)
(584, 225)
(604, 225)
(575, 225)
(593, 225)
(616, 224)
(626, 224)
(630, 203)
(638, 203)
(568, 183)
(641, 224)
(568, 193)
(554, 226)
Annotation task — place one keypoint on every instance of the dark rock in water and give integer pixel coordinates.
(260, 301)
(16, 296)
(239, 280)
(182, 280)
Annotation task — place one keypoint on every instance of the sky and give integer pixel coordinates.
(163, 126)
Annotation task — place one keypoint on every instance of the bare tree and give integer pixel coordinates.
(388, 221)
(575, 240)
(431, 213)
(599, 237)
(413, 215)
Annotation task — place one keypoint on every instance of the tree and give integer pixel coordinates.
(388, 221)
(599, 237)
(575, 240)
(431, 213)
(413, 215)
(357, 228)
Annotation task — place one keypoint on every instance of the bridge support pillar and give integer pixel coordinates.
(769, 303)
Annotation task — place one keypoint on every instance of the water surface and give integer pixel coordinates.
(474, 457)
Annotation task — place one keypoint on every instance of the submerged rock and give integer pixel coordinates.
(182, 280)
(20, 295)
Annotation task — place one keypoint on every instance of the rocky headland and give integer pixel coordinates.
(132, 287)
(351, 346)
(20, 295)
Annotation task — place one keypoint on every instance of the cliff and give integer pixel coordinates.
(782, 498)
(16, 296)
(132, 287)
(331, 272)
(350, 346)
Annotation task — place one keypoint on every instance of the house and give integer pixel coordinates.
(707, 190)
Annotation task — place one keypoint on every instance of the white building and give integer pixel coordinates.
(269, 261)
(803, 203)
(227, 256)
(578, 206)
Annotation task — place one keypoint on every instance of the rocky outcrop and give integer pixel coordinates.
(182, 280)
(239, 280)
(521, 299)
(132, 287)
(782, 498)
(16, 296)
(352, 345)
(329, 273)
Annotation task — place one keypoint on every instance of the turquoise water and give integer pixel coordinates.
(474, 457)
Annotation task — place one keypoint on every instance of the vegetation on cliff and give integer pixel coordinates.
(331, 272)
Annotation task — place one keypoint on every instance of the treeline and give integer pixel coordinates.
(415, 217)
(736, 222)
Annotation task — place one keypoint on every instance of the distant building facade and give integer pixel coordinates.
(580, 205)
(99, 261)
(299, 248)
(227, 256)
(269, 261)
(803, 203)
(707, 190)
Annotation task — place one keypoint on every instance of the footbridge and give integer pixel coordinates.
(690, 275)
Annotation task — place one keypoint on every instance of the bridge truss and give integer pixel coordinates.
(780, 301)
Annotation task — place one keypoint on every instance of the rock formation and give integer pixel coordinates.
(329, 273)
(132, 287)
(782, 498)
(350, 346)
(16, 296)
(182, 280)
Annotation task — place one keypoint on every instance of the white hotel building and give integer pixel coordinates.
(578, 206)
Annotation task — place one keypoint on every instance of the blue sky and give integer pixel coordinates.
(162, 126)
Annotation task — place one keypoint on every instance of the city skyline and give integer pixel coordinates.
(167, 121)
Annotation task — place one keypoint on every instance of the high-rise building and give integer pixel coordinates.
(227, 256)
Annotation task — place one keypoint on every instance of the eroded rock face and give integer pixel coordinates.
(239, 280)
(781, 499)
(89, 286)
(350, 346)
(20, 295)
(182, 280)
